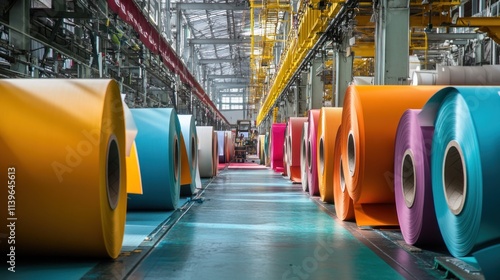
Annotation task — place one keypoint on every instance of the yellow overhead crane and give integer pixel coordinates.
(313, 19)
(315, 15)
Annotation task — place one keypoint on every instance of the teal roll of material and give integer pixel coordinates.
(464, 166)
(158, 148)
(488, 261)
(188, 128)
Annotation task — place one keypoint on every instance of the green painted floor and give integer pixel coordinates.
(254, 224)
(247, 224)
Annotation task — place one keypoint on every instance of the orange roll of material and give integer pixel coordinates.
(329, 122)
(63, 141)
(369, 123)
(134, 182)
(344, 207)
(294, 128)
(188, 129)
(185, 166)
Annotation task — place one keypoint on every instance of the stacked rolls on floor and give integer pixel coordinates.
(90, 151)
(422, 158)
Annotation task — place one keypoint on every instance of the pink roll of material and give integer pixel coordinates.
(276, 146)
(312, 173)
(294, 128)
(412, 181)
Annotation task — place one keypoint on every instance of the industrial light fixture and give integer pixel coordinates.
(425, 2)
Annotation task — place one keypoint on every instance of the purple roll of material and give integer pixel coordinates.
(412, 181)
(312, 175)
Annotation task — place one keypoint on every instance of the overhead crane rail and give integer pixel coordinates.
(315, 24)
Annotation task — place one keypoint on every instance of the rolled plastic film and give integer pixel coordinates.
(329, 122)
(464, 163)
(276, 143)
(206, 151)
(412, 181)
(369, 122)
(295, 125)
(70, 184)
(312, 154)
(158, 146)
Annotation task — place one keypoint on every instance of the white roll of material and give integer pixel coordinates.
(205, 150)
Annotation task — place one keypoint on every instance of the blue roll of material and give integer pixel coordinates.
(158, 148)
(464, 166)
(488, 261)
(188, 128)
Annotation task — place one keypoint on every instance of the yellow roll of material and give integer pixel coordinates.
(134, 182)
(64, 142)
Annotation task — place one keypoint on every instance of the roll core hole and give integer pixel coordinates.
(309, 156)
(408, 179)
(176, 159)
(342, 178)
(303, 151)
(193, 152)
(113, 173)
(454, 178)
(351, 153)
(321, 156)
(288, 150)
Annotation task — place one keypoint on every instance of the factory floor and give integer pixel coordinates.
(251, 223)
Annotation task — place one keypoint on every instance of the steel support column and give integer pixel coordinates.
(343, 74)
(392, 43)
(19, 17)
(314, 86)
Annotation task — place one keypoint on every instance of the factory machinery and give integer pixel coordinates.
(98, 39)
